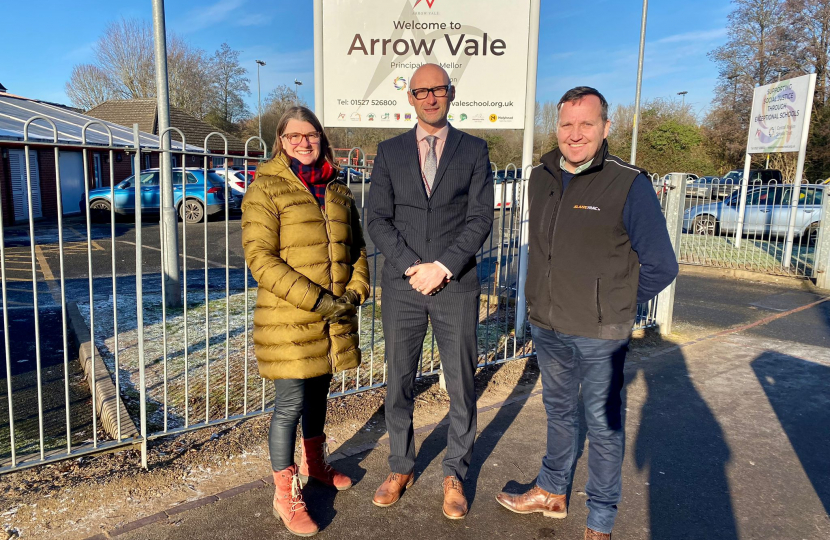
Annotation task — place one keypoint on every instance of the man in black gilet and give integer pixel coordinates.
(598, 246)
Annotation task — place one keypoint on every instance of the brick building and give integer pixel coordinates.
(144, 112)
(101, 157)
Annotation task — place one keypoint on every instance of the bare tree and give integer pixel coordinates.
(786, 162)
(809, 47)
(189, 78)
(622, 122)
(279, 100)
(231, 84)
(753, 54)
(724, 138)
(545, 127)
(124, 68)
(125, 54)
(88, 86)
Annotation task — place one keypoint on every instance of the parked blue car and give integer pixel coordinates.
(195, 206)
(767, 213)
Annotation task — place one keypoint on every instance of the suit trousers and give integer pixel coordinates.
(454, 318)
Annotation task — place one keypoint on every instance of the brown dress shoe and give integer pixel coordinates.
(455, 503)
(591, 534)
(535, 500)
(392, 488)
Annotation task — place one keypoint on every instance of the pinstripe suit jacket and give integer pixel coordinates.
(450, 226)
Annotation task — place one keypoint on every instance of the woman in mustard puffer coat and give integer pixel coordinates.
(304, 245)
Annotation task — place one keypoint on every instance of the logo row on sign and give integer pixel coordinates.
(407, 117)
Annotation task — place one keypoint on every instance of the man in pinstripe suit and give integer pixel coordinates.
(430, 210)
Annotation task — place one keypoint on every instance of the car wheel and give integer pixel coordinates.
(811, 234)
(192, 210)
(99, 210)
(705, 225)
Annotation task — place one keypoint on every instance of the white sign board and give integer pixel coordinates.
(778, 114)
(372, 47)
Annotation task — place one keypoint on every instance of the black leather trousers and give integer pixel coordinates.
(296, 399)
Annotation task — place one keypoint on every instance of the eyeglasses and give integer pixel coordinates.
(296, 138)
(437, 91)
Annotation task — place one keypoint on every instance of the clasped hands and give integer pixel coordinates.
(337, 309)
(427, 278)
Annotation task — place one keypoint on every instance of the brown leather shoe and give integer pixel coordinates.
(455, 503)
(392, 488)
(535, 500)
(591, 534)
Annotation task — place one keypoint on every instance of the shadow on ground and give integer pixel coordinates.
(435, 443)
(798, 392)
(682, 445)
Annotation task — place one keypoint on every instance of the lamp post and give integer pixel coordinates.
(683, 95)
(168, 220)
(258, 96)
(297, 84)
(639, 83)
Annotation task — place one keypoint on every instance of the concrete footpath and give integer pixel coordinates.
(727, 438)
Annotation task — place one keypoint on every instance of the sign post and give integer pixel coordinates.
(527, 163)
(799, 170)
(780, 122)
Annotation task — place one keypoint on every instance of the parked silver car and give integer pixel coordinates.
(767, 212)
(702, 187)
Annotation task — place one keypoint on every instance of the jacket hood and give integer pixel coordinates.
(551, 159)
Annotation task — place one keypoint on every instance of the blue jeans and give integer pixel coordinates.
(565, 363)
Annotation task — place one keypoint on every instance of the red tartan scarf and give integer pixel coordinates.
(314, 178)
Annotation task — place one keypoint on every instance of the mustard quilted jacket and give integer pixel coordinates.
(295, 252)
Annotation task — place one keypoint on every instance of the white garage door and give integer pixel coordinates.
(72, 181)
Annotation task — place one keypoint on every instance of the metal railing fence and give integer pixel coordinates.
(175, 369)
(711, 224)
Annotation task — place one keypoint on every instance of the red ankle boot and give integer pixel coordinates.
(314, 465)
(289, 505)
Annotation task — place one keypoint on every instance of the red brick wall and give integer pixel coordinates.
(121, 169)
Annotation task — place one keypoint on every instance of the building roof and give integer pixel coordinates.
(128, 112)
(144, 112)
(15, 111)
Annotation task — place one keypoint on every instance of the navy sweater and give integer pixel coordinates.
(644, 222)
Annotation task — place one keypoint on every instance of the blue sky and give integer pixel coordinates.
(593, 42)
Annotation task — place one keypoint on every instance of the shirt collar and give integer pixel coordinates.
(420, 133)
(578, 169)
